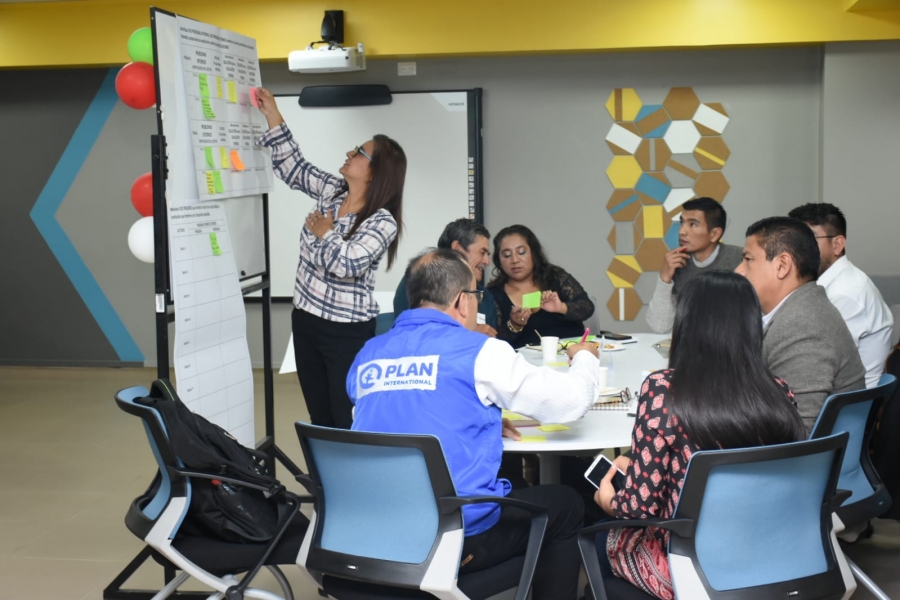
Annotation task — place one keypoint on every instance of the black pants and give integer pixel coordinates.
(324, 351)
(556, 575)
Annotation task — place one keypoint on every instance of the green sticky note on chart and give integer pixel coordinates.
(204, 85)
(207, 108)
(532, 300)
(214, 241)
(217, 182)
(210, 161)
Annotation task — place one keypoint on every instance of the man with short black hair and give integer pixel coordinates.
(850, 290)
(431, 374)
(699, 249)
(472, 240)
(805, 339)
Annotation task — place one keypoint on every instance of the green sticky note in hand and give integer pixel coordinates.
(204, 85)
(532, 300)
(217, 182)
(214, 241)
(207, 108)
(210, 161)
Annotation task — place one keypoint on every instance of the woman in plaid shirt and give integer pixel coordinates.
(356, 221)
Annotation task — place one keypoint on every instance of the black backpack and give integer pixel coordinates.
(226, 510)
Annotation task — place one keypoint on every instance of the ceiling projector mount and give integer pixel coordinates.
(332, 57)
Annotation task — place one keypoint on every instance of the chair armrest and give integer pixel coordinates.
(838, 499)
(307, 482)
(267, 490)
(449, 504)
(683, 527)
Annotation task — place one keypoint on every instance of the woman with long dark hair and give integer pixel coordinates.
(520, 267)
(357, 220)
(716, 394)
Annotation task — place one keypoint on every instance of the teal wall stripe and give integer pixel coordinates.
(44, 216)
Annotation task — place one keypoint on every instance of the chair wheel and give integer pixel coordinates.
(233, 593)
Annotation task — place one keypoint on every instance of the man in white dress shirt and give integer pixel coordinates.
(850, 290)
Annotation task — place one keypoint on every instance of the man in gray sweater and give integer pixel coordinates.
(699, 250)
(805, 339)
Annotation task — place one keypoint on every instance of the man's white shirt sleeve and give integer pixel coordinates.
(503, 377)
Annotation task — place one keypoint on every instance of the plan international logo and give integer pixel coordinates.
(407, 373)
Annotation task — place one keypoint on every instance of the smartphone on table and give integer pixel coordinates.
(598, 470)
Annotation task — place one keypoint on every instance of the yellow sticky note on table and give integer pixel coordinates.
(560, 363)
(550, 428)
(207, 108)
(532, 300)
(204, 85)
(506, 414)
(236, 161)
(218, 87)
(210, 183)
(214, 242)
(217, 181)
(210, 161)
(533, 438)
(232, 91)
(223, 156)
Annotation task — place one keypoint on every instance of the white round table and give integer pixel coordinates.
(598, 429)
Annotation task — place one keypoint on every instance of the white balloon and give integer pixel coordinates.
(140, 239)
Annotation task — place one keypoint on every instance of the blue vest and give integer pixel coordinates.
(419, 378)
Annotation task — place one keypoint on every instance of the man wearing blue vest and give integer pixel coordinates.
(432, 374)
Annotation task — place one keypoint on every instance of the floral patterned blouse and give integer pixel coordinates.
(660, 451)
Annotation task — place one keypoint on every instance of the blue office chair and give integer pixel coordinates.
(387, 522)
(157, 515)
(384, 322)
(751, 523)
(855, 412)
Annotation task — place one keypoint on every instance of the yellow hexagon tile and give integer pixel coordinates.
(623, 104)
(623, 172)
(623, 271)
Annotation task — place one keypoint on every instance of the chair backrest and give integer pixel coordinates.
(855, 412)
(886, 437)
(147, 508)
(377, 513)
(762, 519)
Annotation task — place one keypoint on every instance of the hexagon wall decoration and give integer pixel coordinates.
(663, 155)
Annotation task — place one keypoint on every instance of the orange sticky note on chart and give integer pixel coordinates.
(236, 162)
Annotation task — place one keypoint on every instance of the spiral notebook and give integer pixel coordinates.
(610, 399)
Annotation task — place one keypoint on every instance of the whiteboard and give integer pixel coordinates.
(441, 136)
(244, 214)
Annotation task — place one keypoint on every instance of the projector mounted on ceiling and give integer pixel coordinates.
(333, 58)
(327, 59)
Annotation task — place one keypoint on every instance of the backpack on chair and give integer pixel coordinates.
(226, 510)
(885, 448)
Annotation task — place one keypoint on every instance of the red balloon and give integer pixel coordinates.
(142, 195)
(136, 85)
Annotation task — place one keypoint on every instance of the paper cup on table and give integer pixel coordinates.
(604, 376)
(549, 346)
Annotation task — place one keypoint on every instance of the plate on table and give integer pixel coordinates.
(608, 346)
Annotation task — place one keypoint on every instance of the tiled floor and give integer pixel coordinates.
(71, 463)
